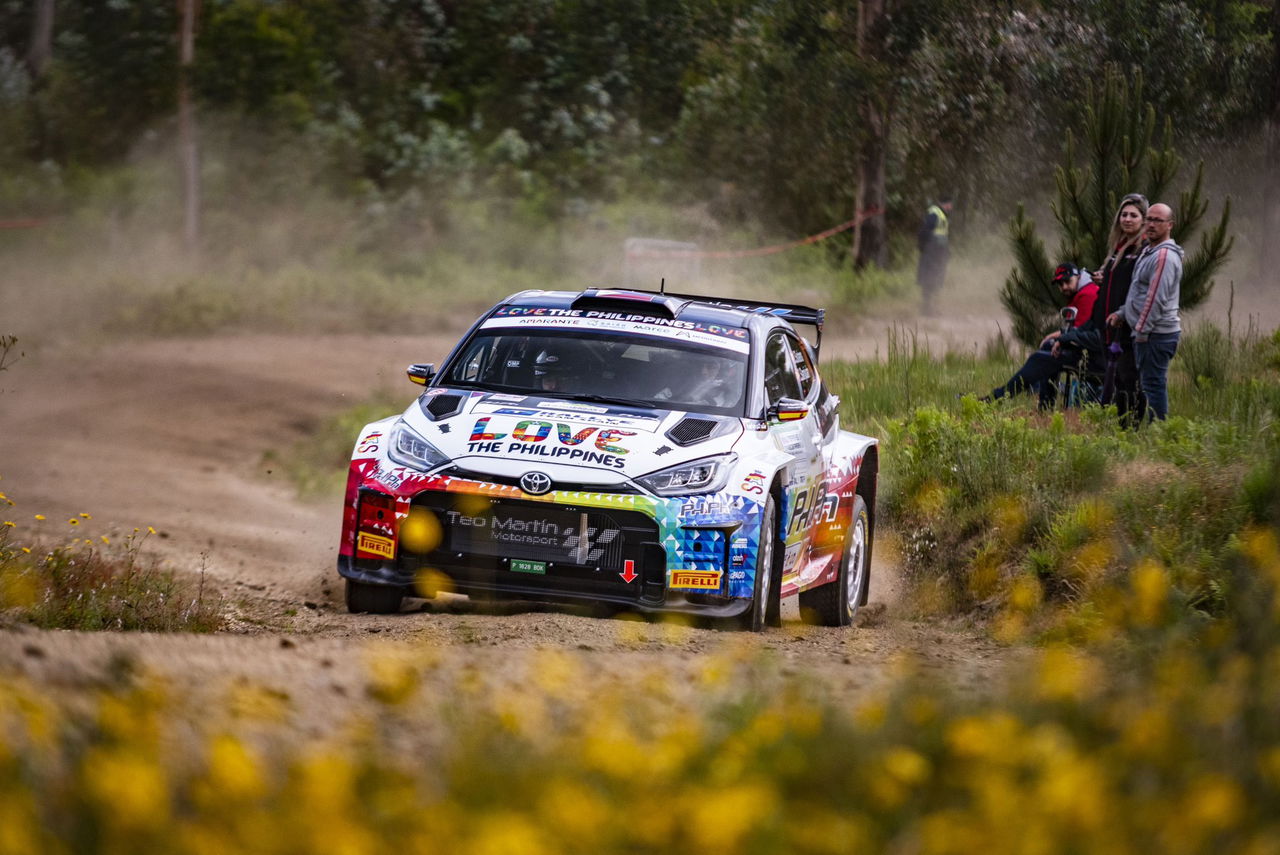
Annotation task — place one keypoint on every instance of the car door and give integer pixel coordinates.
(824, 539)
(801, 440)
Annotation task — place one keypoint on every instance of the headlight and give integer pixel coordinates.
(409, 449)
(701, 476)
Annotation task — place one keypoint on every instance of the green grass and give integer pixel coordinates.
(997, 506)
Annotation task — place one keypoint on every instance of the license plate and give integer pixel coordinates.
(519, 566)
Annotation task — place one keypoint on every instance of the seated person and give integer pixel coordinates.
(1042, 367)
(701, 379)
(555, 370)
(708, 384)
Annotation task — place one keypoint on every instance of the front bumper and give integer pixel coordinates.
(538, 552)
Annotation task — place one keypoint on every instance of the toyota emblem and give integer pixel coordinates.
(535, 483)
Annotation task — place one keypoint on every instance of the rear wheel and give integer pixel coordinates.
(836, 603)
(374, 599)
(764, 599)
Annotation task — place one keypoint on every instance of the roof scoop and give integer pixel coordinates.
(631, 302)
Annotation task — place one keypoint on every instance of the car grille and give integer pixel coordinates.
(512, 544)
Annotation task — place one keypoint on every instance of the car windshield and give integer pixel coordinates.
(606, 366)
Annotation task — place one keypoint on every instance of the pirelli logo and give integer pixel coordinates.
(375, 545)
(697, 580)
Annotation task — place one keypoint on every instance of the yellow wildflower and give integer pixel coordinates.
(234, 771)
(1063, 675)
(507, 833)
(1151, 590)
(1214, 802)
(1010, 518)
(931, 498)
(994, 736)
(907, 766)
(555, 672)
(1026, 594)
(392, 679)
(984, 572)
(420, 531)
(39, 516)
(130, 790)
(577, 811)
(719, 819)
(86, 516)
(258, 703)
(73, 521)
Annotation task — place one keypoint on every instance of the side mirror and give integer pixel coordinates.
(421, 372)
(788, 410)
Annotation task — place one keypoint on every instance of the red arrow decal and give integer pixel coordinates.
(628, 573)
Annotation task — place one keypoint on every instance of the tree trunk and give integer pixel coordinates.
(1270, 255)
(40, 51)
(873, 248)
(870, 244)
(188, 141)
(859, 202)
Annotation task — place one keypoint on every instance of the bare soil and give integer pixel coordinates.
(175, 434)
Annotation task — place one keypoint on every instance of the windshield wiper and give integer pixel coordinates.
(484, 387)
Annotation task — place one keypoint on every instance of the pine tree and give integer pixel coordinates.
(1118, 159)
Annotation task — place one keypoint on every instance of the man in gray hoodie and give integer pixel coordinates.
(1152, 308)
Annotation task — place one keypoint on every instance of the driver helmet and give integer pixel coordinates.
(554, 365)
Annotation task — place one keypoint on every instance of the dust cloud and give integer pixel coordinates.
(289, 246)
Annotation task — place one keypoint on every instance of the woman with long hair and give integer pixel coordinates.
(1120, 380)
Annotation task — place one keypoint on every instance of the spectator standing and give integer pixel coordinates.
(1108, 349)
(935, 250)
(1040, 369)
(1151, 308)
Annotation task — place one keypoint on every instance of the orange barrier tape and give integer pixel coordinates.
(764, 250)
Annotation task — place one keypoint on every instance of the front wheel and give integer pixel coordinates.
(765, 609)
(374, 599)
(836, 603)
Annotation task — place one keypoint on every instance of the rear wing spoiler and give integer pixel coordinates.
(789, 312)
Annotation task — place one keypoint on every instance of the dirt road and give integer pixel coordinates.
(174, 434)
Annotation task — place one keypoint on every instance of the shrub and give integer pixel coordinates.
(89, 584)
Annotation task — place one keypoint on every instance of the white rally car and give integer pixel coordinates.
(657, 452)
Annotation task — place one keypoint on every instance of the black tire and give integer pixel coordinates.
(373, 599)
(765, 608)
(836, 603)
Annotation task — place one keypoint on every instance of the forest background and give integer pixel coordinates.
(513, 143)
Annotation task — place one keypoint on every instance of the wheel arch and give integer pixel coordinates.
(868, 478)
(868, 481)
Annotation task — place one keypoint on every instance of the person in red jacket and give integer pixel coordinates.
(1042, 367)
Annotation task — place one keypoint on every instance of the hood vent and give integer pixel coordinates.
(691, 430)
(441, 406)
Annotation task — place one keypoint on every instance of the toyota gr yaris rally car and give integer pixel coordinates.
(657, 452)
